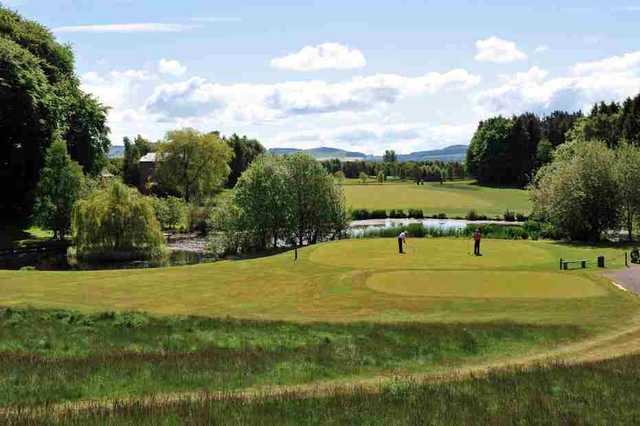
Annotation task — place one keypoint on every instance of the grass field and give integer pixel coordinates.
(453, 198)
(347, 311)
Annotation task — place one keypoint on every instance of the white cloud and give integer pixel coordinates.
(267, 102)
(171, 67)
(216, 19)
(322, 56)
(612, 78)
(497, 50)
(148, 27)
(541, 48)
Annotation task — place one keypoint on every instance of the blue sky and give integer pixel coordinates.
(368, 76)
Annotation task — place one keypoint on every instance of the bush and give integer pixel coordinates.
(415, 213)
(170, 211)
(520, 217)
(416, 230)
(509, 216)
(397, 214)
(441, 216)
(473, 215)
(197, 218)
(378, 214)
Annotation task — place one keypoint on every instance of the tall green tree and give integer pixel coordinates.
(244, 152)
(579, 192)
(193, 164)
(40, 97)
(487, 153)
(627, 167)
(58, 189)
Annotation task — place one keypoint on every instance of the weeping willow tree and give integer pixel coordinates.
(116, 222)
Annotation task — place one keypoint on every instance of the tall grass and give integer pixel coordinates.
(55, 356)
(596, 393)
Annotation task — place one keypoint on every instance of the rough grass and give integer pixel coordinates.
(55, 356)
(452, 198)
(595, 393)
(329, 283)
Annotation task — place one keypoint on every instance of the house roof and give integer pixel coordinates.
(148, 158)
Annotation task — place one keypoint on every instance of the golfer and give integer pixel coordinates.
(402, 240)
(477, 236)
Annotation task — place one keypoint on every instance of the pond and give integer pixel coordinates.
(360, 227)
(57, 260)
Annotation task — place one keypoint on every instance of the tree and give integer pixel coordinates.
(291, 199)
(339, 176)
(390, 156)
(578, 192)
(363, 177)
(40, 98)
(381, 176)
(264, 200)
(58, 189)
(116, 222)
(627, 167)
(131, 159)
(487, 153)
(244, 152)
(193, 164)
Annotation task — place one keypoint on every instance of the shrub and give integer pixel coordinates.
(116, 222)
(473, 215)
(397, 214)
(170, 211)
(441, 216)
(378, 214)
(416, 230)
(415, 213)
(509, 216)
(520, 217)
(359, 214)
(197, 218)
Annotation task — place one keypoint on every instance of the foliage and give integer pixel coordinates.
(116, 222)
(244, 152)
(40, 98)
(578, 192)
(193, 164)
(363, 177)
(627, 169)
(170, 211)
(288, 200)
(132, 154)
(339, 176)
(381, 177)
(59, 186)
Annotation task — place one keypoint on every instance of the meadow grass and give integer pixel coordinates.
(54, 356)
(602, 392)
(455, 198)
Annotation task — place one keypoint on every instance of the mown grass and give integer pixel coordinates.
(595, 393)
(329, 283)
(452, 198)
(54, 356)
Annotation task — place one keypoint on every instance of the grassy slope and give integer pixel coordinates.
(595, 393)
(452, 198)
(329, 283)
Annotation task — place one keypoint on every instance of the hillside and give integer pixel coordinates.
(450, 153)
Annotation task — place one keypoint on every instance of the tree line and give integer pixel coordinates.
(509, 151)
(390, 166)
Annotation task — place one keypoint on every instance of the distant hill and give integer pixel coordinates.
(450, 153)
(322, 153)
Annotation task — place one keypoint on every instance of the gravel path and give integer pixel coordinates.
(628, 278)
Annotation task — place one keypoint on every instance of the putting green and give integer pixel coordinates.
(485, 284)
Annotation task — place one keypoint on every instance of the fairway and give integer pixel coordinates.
(353, 280)
(452, 198)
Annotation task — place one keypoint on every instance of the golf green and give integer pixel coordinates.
(485, 284)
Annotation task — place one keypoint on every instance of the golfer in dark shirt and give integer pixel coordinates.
(477, 236)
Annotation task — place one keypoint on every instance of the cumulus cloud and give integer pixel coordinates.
(145, 27)
(171, 67)
(264, 102)
(497, 50)
(612, 78)
(322, 56)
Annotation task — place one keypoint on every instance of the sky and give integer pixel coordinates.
(359, 75)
